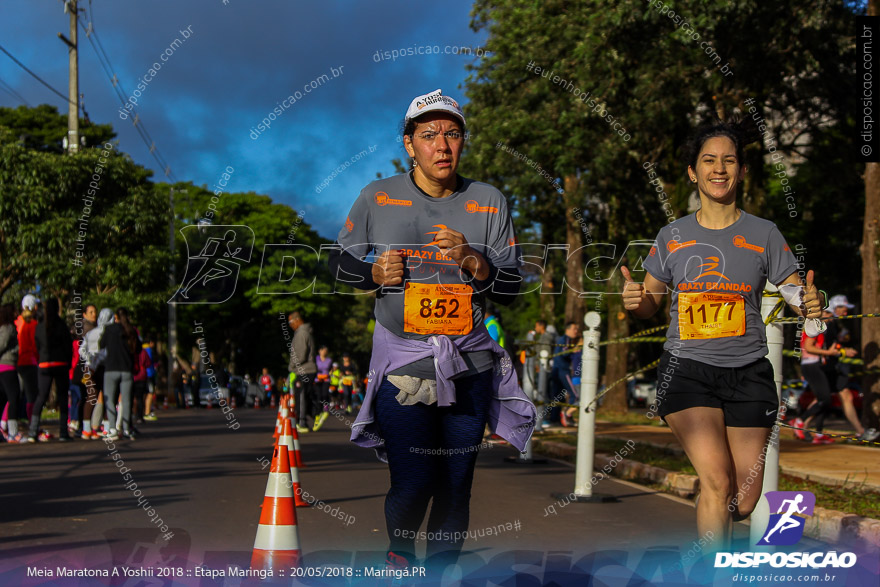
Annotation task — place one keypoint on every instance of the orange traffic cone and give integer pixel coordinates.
(165, 403)
(277, 542)
(296, 453)
(272, 402)
(232, 402)
(286, 439)
(256, 403)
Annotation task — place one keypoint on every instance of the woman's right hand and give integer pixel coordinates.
(633, 293)
(388, 268)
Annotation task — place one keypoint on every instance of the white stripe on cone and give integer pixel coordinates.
(288, 442)
(279, 485)
(276, 538)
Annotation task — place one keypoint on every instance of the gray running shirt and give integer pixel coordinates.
(394, 213)
(717, 278)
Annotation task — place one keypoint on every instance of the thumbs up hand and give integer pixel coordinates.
(812, 306)
(633, 293)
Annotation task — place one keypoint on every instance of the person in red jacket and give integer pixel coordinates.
(26, 325)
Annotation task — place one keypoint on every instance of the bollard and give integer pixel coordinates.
(761, 516)
(526, 457)
(583, 487)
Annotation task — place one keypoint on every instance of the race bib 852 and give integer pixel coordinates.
(431, 308)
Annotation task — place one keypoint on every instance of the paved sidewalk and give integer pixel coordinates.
(833, 464)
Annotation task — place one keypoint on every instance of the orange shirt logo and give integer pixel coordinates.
(472, 207)
(384, 200)
(349, 225)
(652, 252)
(740, 241)
(710, 266)
(673, 246)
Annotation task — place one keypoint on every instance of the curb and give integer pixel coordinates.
(827, 525)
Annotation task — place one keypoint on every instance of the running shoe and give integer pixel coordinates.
(151, 417)
(799, 429)
(45, 436)
(29, 439)
(348, 410)
(129, 435)
(869, 435)
(17, 439)
(111, 435)
(319, 421)
(302, 429)
(822, 439)
(86, 435)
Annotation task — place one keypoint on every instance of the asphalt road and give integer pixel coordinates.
(67, 505)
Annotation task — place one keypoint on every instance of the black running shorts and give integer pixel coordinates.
(747, 395)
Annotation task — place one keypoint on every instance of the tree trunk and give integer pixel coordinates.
(548, 299)
(574, 271)
(616, 354)
(871, 289)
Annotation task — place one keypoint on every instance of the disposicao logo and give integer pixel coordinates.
(786, 526)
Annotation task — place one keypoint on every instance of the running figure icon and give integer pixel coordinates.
(215, 269)
(786, 522)
(786, 526)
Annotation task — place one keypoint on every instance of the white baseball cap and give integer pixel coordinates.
(433, 102)
(28, 302)
(839, 300)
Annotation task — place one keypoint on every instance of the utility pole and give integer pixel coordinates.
(70, 6)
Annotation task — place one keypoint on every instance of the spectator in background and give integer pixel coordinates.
(349, 382)
(324, 362)
(150, 347)
(121, 341)
(9, 388)
(26, 324)
(93, 375)
(266, 382)
(55, 350)
(560, 375)
(302, 364)
(140, 388)
(840, 339)
(181, 387)
(194, 383)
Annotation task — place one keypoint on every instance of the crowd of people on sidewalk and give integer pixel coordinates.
(102, 370)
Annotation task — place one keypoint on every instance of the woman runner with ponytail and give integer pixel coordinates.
(716, 388)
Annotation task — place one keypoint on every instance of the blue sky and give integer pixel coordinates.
(240, 61)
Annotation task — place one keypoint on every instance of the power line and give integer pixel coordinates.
(104, 59)
(35, 76)
(11, 91)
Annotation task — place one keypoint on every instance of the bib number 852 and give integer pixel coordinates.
(440, 309)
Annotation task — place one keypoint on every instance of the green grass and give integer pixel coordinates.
(628, 418)
(845, 499)
(643, 453)
(852, 499)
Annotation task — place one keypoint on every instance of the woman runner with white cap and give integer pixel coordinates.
(442, 245)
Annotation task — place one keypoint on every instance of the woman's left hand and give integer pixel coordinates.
(454, 245)
(813, 301)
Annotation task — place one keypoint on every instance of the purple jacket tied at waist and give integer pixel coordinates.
(511, 414)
